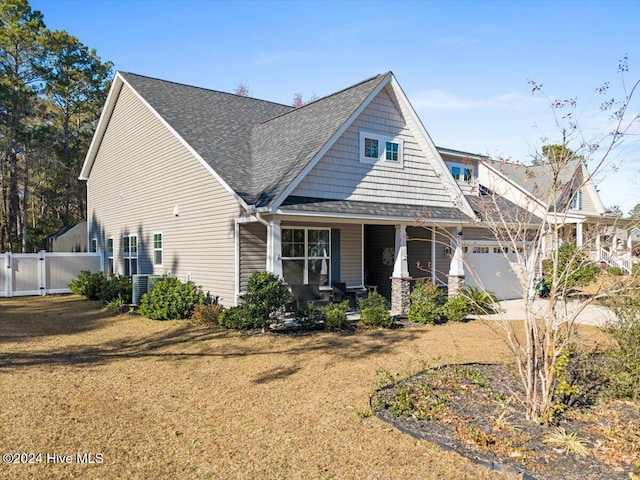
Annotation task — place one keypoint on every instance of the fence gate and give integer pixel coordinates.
(43, 273)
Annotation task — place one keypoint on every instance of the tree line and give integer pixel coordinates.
(52, 89)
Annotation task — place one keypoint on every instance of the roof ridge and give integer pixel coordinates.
(205, 89)
(301, 107)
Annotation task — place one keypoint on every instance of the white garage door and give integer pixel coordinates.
(487, 268)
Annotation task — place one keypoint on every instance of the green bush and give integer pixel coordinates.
(116, 287)
(426, 300)
(479, 301)
(88, 284)
(236, 318)
(205, 313)
(376, 317)
(170, 299)
(623, 368)
(265, 295)
(614, 270)
(335, 316)
(311, 318)
(455, 309)
(373, 300)
(573, 269)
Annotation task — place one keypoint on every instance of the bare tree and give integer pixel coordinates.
(536, 231)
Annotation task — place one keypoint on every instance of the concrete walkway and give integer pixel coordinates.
(514, 310)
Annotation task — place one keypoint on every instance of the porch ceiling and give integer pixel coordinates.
(343, 208)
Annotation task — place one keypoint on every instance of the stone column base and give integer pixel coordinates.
(455, 283)
(400, 289)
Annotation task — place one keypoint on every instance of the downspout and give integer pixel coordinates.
(254, 211)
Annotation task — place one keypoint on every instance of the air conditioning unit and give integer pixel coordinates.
(141, 284)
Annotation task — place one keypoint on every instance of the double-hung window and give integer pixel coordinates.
(576, 200)
(306, 256)
(376, 148)
(110, 254)
(130, 254)
(157, 249)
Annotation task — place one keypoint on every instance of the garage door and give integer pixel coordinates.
(488, 268)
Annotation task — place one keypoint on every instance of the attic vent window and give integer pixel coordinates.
(378, 149)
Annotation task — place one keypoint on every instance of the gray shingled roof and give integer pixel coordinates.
(539, 179)
(321, 205)
(496, 208)
(297, 136)
(239, 137)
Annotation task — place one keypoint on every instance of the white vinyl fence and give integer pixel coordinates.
(43, 273)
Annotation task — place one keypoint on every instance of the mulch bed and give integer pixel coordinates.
(473, 410)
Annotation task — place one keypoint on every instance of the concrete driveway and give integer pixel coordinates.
(514, 310)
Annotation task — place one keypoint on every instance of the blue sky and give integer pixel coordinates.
(465, 66)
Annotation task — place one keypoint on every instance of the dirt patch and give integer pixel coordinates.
(473, 410)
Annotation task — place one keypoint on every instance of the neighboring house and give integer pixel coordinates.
(210, 186)
(72, 238)
(570, 200)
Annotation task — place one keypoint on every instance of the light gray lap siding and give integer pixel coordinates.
(253, 251)
(141, 177)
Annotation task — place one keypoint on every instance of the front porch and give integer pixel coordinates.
(361, 256)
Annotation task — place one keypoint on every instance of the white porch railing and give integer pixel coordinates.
(624, 263)
(43, 273)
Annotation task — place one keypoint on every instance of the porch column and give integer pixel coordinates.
(579, 235)
(400, 281)
(274, 248)
(433, 255)
(456, 269)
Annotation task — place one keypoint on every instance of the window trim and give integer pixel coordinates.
(161, 249)
(382, 140)
(461, 174)
(306, 257)
(127, 256)
(110, 250)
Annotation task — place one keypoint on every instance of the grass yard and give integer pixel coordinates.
(171, 400)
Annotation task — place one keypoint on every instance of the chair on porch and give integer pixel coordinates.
(305, 294)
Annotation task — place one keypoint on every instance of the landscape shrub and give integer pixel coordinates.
(236, 318)
(116, 287)
(335, 316)
(205, 313)
(623, 368)
(88, 284)
(426, 300)
(574, 269)
(265, 295)
(479, 301)
(311, 318)
(614, 270)
(455, 309)
(170, 299)
(373, 300)
(376, 317)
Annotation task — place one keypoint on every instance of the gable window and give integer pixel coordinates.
(157, 249)
(576, 200)
(461, 173)
(94, 245)
(376, 148)
(306, 256)
(130, 254)
(392, 151)
(371, 148)
(110, 254)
